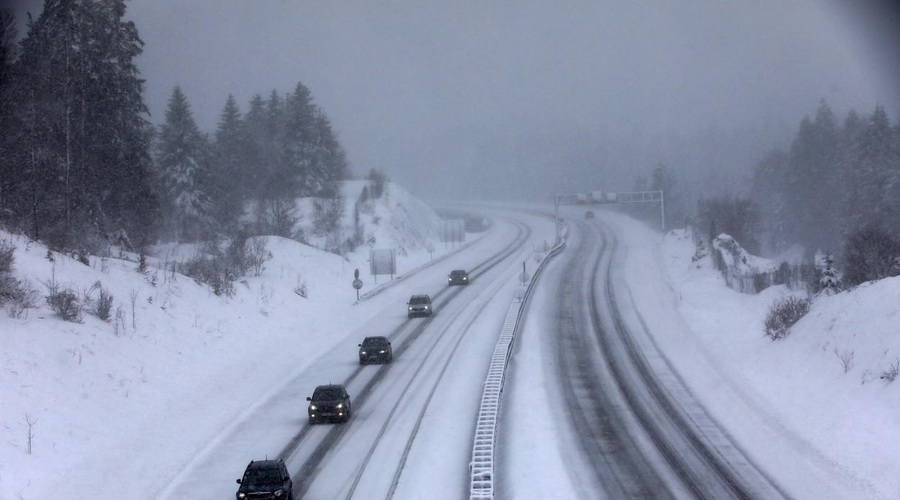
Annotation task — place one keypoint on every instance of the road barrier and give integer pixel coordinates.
(482, 465)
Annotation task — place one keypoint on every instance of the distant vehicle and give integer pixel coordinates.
(329, 402)
(597, 197)
(581, 199)
(419, 305)
(458, 277)
(265, 479)
(375, 349)
(589, 214)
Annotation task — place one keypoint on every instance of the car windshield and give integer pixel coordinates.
(419, 299)
(328, 394)
(457, 273)
(374, 342)
(262, 475)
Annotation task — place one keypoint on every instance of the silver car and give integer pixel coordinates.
(419, 305)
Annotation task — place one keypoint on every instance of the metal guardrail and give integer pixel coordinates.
(482, 464)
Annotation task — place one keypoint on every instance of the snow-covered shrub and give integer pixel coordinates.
(891, 373)
(17, 295)
(142, 263)
(100, 307)
(210, 270)
(783, 314)
(64, 302)
(258, 253)
(845, 357)
(327, 216)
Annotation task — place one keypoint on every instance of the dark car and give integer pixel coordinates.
(265, 479)
(375, 350)
(589, 214)
(419, 305)
(458, 277)
(329, 402)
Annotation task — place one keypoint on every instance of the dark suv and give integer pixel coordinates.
(419, 305)
(375, 349)
(329, 402)
(265, 479)
(458, 277)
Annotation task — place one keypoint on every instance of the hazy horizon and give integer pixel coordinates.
(474, 100)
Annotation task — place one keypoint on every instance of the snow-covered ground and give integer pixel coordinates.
(821, 430)
(120, 412)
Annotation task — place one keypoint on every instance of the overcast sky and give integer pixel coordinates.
(510, 99)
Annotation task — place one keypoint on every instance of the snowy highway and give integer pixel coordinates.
(412, 423)
(634, 429)
(629, 427)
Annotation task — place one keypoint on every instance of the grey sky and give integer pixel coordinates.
(510, 99)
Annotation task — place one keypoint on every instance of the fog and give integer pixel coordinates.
(471, 99)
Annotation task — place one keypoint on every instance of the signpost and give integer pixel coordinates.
(357, 283)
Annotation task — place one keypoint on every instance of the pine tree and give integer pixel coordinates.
(871, 187)
(300, 142)
(230, 166)
(8, 34)
(768, 190)
(810, 187)
(315, 161)
(182, 166)
(84, 146)
(829, 284)
(258, 168)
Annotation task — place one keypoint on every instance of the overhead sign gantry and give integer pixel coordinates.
(601, 198)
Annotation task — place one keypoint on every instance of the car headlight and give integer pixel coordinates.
(278, 493)
(242, 495)
(313, 407)
(362, 352)
(339, 406)
(381, 351)
(410, 308)
(426, 307)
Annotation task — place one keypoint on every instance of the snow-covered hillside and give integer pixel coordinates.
(824, 393)
(111, 409)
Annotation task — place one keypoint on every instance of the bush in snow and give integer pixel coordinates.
(891, 373)
(17, 295)
(783, 314)
(327, 216)
(64, 302)
(100, 307)
(210, 270)
(870, 254)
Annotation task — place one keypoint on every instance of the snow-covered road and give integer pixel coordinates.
(198, 386)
